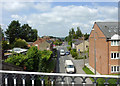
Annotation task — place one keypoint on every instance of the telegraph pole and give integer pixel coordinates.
(84, 49)
(94, 51)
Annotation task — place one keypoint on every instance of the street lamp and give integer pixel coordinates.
(94, 51)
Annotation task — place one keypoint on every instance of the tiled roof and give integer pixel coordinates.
(109, 28)
(77, 41)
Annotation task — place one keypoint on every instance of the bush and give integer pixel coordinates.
(69, 48)
(70, 43)
(74, 54)
(20, 43)
(5, 45)
(74, 50)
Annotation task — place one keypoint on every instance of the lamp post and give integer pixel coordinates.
(94, 51)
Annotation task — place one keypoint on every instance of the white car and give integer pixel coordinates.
(69, 66)
(62, 52)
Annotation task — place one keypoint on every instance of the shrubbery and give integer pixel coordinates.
(69, 48)
(34, 60)
(20, 43)
(74, 53)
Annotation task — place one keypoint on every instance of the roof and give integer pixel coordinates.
(68, 62)
(77, 41)
(108, 28)
(49, 41)
(30, 43)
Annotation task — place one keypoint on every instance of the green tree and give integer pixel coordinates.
(28, 33)
(18, 60)
(1, 32)
(5, 45)
(13, 31)
(33, 59)
(33, 36)
(86, 36)
(78, 33)
(44, 61)
(20, 43)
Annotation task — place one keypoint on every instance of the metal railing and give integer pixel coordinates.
(52, 77)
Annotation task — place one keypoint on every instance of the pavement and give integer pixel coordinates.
(87, 65)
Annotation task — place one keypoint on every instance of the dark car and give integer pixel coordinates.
(67, 53)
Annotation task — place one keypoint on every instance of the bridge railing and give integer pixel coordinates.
(14, 75)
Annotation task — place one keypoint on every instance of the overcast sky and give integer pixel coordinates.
(57, 18)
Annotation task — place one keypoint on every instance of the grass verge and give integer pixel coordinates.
(100, 81)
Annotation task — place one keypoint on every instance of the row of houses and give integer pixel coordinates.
(104, 46)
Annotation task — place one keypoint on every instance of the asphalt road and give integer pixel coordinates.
(61, 66)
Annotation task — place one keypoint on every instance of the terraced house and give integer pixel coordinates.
(104, 45)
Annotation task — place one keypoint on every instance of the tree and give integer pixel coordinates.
(20, 43)
(1, 32)
(28, 33)
(5, 45)
(78, 33)
(86, 36)
(13, 31)
(33, 59)
(44, 61)
(33, 36)
(18, 60)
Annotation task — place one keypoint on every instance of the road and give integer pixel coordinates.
(77, 63)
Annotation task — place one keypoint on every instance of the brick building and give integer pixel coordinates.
(105, 38)
(43, 44)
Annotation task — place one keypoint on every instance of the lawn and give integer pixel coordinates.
(100, 81)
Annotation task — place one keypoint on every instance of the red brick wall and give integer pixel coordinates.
(113, 61)
(101, 50)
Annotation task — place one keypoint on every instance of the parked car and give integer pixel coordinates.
(62, 52)
(69, 67)
(67, 53)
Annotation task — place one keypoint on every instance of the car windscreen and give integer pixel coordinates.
(70, 66)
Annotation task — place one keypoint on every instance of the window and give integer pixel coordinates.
(115, 55)
(111, 42)
(115, 69)
(118, 55)
(115, 43)
(111, 55)
(112, 68)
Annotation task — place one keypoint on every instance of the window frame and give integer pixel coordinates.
(115, 43)
(115, 69)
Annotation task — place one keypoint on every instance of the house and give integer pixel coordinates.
(104, 45)
(83, 46)
(76, 42)
(29, 44)
(43, 44)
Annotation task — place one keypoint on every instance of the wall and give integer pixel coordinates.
(101, 47)
(80, 46)
(113, 62)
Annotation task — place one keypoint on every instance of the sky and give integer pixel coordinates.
(57, 18)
